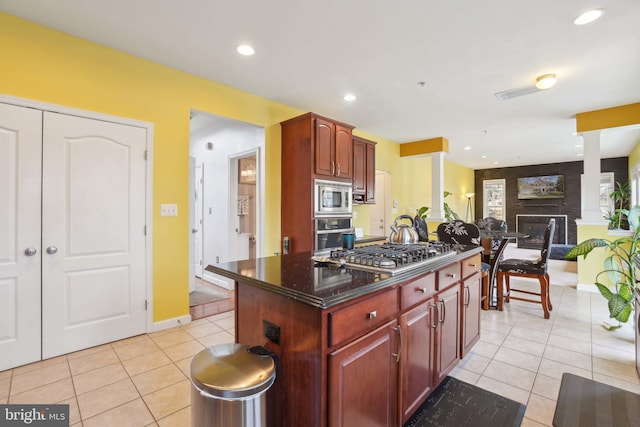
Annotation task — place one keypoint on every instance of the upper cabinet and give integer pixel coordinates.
(364, 170)
(313, 147)
(333, 149)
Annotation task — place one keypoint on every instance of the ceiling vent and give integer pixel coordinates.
(514, 93)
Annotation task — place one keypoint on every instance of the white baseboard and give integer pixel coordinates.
(170, 323)
(217, 280)
(587, 288)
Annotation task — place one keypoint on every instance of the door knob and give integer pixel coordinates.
(52, 250)
(30, 251)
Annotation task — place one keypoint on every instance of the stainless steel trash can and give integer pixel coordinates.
(229, 382)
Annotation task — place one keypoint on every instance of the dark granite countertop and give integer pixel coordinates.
(298, 276)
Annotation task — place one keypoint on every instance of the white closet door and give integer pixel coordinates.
(20, 178)
(93, 243)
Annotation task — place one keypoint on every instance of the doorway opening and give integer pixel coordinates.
(226, 213)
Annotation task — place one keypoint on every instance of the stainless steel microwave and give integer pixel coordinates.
(332, 198)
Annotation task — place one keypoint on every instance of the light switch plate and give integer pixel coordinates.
(168, 209)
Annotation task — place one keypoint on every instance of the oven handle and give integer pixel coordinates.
(340, 230)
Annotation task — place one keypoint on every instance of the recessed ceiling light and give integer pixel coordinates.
(545, 81)
(495, 163)
(484, 156)
(578, 145)
(579, 154)
(467, 148)
(349, 97)
(245, 49)
(588, 16)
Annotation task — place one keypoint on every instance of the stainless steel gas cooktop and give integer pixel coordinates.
(391, 258)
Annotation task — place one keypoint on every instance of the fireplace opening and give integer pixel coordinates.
(535, 225)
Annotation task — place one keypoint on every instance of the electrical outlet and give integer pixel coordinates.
(167, 209)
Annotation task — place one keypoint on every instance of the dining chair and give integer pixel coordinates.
(458, 232)
(489, 224)
(536, 269)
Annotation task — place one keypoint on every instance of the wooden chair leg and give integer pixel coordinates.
(544, 295)
(500, 290)
(508, 286)
(546, 276)
(485, 291)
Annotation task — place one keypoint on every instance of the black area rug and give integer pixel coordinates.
(456, 403)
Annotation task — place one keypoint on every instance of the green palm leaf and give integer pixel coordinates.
(623, 316)
(585, 247)
(617, 304)
(604, 291)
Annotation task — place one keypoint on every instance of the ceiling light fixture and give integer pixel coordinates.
(467, 148)
(245, 49)
(349, 97)
(588, 16)
(545, 81)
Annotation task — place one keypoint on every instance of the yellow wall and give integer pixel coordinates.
(52, 67)
(48, 66)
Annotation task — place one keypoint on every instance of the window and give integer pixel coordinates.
(635, 184)
(493, 199)
(607, 186)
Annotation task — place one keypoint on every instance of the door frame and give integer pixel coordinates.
(22, 102)
(233, 195)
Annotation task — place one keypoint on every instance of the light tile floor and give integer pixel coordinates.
(522, 356)
(144, 380)
(140, 381)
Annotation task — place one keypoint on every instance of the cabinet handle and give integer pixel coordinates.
(467, 296)
(372, 314)
(452, 275)
(398, 329)
(333, 168)
(444, 312)
(421, 290)
(338, 173)
(434, 325)
(474, 265)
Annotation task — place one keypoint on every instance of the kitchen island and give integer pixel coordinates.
(356, 347)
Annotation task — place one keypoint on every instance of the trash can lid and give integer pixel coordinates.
(231, 371)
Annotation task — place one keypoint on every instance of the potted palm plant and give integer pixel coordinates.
(620, 196)
(619, 267)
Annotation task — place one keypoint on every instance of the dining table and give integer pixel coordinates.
(493, 258)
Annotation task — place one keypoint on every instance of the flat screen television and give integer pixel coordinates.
(541, 187)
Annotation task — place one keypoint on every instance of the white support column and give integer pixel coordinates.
(437, 187)
(591, 179)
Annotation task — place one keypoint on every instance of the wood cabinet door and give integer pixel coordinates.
(359, 166)
(324, 147)
(344, 152)
(448, 331)
(471, 312)
(363, 388)
(416, 357)
(370, 169)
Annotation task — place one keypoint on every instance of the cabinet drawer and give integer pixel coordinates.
(417, 291)
(353, 320)
(471, 265)
(448, 276)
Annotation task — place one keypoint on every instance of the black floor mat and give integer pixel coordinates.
(456, 403)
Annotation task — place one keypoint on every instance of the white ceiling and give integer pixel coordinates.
(310, 54)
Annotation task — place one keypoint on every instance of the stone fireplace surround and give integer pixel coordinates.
(535, 225)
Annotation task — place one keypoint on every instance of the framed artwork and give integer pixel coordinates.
(247, 171)
(541, 187)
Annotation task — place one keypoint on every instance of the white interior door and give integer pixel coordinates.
(20, 255)
(377, 218)
(93, 232)
(197, 219)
